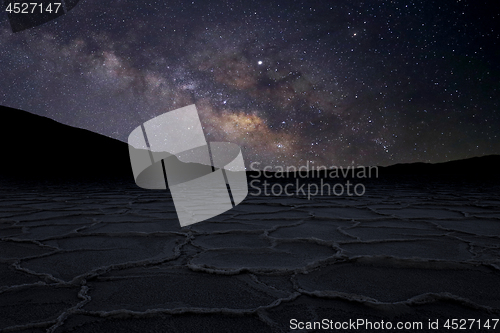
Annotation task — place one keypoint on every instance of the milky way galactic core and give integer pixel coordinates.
(290, 82)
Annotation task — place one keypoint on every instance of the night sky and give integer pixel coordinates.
(332, 82)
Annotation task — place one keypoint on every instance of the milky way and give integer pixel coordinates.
(331, 82)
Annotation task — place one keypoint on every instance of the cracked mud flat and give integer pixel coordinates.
(112, 258)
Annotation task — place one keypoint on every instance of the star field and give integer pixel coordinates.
(331, 82)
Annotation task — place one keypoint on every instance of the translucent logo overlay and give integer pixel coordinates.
(205, 179)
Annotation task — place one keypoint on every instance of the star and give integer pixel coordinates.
(358, 82)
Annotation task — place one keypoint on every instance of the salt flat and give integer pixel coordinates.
(101, 257)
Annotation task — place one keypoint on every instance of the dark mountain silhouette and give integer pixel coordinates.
(483, 166)
(35, 147)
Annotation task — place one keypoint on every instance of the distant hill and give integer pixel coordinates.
(35, 147)
(484, 167)
(476, 167)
